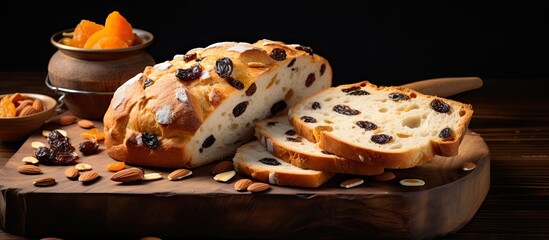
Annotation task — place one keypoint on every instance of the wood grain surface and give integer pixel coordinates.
(511, 115)
(447, 201)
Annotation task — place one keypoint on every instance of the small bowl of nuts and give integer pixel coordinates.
(23, 113)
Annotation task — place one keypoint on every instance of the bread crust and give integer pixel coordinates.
(326, 163)
(280, 178)
(141, 106)
(389, 159)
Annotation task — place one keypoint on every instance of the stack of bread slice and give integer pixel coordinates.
(358, 129)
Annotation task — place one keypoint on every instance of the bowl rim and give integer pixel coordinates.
(146, 36)
(34, 96)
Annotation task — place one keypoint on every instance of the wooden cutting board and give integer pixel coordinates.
(200, 207)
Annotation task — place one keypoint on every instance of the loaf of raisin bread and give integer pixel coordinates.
(281, 139)
(392, 126)
(254, 160)
(199, 107)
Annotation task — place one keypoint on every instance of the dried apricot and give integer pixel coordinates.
(7, 108)
(117, 33)
(93, 133)
(83, 31)
(116, 166)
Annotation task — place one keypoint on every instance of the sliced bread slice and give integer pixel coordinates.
(281, 139)
(393, 126)
(252, 159)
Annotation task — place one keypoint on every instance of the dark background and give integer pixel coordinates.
(383, 42)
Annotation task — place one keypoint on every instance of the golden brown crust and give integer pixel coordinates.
(141, 105)
(328, 163)
(285, 179)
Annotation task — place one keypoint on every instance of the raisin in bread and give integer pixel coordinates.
(393, 126)
(281, 139)
(254, 160)
(199, 107)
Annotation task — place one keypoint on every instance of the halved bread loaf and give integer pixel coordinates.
(254, 160)
(281, 139)
(201, 106)
(392, 126)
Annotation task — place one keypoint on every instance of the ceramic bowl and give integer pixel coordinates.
(19, 128)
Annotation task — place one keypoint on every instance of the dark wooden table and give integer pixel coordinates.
(512, 115)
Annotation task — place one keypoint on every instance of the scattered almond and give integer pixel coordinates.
(83, 167)
(37, 144)
(84, 123)
(386, 176)
(152, 176)
(72, 173)
(66, 120)
(46, 133)
(258, 187)
(27, 110)
(128, 175)
(222, 166)
(88, 176)
(44, 182)
(468, 166)
(255, 64)
(38, 105)
(29, 169)
(63, 132)
(412, 182)
(225, 176)
(242, 184)
(353, 182)
(30, 160)
(179, 174)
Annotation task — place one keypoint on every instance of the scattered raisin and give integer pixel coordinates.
(240, 108)
(296, 139)
(189, 57)
(306, 49)
(351, 89)
(322, 69)
(150, 140)
(210, 140)
(251, 90)
(445, 133)
(381, 138)
(315, 105)
(308, 119)
(44, 155)
(88, 147)
(310, 80)
(291, 63)
(278, 107)
(366, 125)
(148, 82)
(224, 67)
(278, 54)
(440, 106)
(65, 158)
(345, 110)
(269, 161)
(235, 83)
(358, 93)
(188, 74)
(290, 132)
(398, 96)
